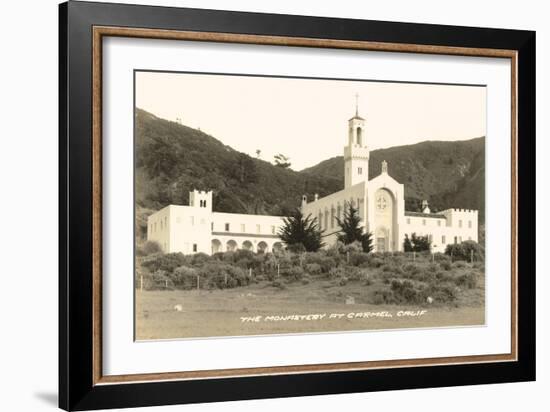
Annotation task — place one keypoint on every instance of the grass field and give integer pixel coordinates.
(219, 312)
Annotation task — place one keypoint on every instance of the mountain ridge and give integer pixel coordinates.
(173, 159)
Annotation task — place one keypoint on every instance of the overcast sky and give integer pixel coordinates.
(306, 119)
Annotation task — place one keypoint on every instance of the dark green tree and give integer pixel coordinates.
(351, 231)
(246, 171)
(407, 244)
(420, 243)
(298, 229)
(282, 161)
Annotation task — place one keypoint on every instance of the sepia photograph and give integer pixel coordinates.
(284, 205)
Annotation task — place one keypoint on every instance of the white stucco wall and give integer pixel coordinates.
(241, 228)
(326, 209)
(158, 228)
(446, 227)
(192, 229)
(385, 182)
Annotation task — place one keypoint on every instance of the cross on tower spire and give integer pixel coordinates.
(356, 104)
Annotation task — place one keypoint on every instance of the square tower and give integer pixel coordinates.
(356, 153)
(201, 199)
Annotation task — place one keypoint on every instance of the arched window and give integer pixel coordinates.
(359, 136)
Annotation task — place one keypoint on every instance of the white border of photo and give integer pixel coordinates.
(122, 355)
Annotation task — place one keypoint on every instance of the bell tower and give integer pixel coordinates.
(356, 153)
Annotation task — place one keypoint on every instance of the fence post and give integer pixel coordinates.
(165, 283)
(225, 278)
(278, 270)
(414, 255)
(472, 256)
(141, 283)
(198, 283)
(250, 273)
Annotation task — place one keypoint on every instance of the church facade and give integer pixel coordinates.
(380, 202)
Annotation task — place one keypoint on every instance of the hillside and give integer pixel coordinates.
(448, 174)
(172, 159)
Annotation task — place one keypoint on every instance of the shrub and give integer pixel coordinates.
(459, 265)
(479, 266)
(185, 277)
(167, 262)
(218, 256)
(375, 262)
(381, 297)
(432, 267)
(278, 284)
(335, 249)
(313, 257)
(378, 255)
(198, 259)
(354, 247)
(405, 291)
(343, 281)
(441, 257)
(337, 272)
(243, 254)
(386, 277)
(148, 248)
(356, 273)
(292, 273)
(444, 277)
(214, 274)
(396, 269)
(467, 280)
(445, 264)
(359, 259)
(398, 259)
(442, 292)
(296, 248)
(244, 263)
(416, 243)
(412, 269)
(157, 280)
(328, 263)
(465, 250)
(313, 268)
(366, 279)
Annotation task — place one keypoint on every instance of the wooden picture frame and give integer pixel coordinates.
(82, 28)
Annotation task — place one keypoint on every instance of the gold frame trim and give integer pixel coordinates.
(102, 31)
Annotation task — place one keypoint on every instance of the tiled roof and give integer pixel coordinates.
(420, 214)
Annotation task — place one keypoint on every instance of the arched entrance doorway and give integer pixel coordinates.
(216, 246)
(277, 247)
(247, 245)
(262, 247)
(382, 239)
(231, 246)
(384, 207)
